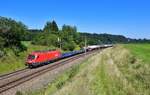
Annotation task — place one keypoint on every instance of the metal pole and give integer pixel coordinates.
(60, 44)
(59, 41)
(85, 45)
(99, 45)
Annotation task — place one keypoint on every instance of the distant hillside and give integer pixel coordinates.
(94, 38)
(104, 38)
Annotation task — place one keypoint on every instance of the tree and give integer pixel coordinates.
(49, 36)
(51, 27)
(69, 37)
(69, 46)
(46, 39)
(11, 34)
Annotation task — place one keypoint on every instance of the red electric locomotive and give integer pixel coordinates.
(42, 57)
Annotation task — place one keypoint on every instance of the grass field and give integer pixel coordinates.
(10, 62)
(121, 70)
(141, 51)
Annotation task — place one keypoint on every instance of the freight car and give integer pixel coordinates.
(72, 53)
(95, 47)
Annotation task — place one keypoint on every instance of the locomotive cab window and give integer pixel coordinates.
(31, 57)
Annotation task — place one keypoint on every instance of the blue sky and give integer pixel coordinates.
(124, 17)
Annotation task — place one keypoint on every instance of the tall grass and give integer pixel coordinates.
(132, 62)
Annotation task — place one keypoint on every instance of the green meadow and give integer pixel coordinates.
(141, 51)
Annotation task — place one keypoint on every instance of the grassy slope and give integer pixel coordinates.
(11, 62)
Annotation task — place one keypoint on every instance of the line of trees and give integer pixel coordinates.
(52, 36)
(13, 32)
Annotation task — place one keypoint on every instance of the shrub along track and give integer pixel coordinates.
(16, 78)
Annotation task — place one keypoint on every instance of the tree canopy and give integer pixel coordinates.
(51, 27)
(11, 34)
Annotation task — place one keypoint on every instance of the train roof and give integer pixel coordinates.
(96, 46)
(43, 51)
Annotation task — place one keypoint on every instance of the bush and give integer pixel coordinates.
(19, 93)
(46, 39)
(11, 34)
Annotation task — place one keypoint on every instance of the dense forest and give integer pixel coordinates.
(67, 38)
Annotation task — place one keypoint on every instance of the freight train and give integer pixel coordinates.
(39, 58)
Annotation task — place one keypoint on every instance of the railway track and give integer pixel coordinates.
(14, 79)
(13, 73)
